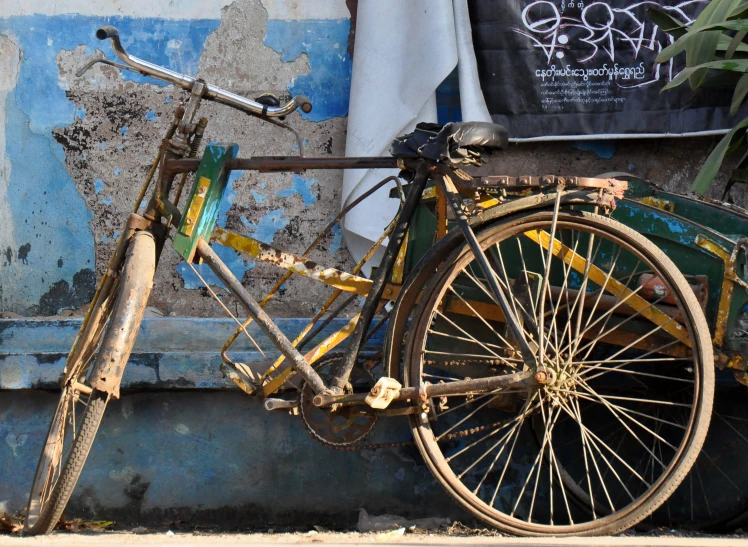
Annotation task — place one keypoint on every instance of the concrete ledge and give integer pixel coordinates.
(204, 452)
(169, 352)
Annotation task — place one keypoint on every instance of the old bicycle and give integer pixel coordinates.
(528, 326)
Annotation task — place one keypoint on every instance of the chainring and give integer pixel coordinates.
(346, 425)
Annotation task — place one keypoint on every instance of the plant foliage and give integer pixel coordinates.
(715, 55)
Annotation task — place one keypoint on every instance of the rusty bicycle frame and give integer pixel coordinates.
(195, 227)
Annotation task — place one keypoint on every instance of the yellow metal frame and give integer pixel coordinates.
(616, 288)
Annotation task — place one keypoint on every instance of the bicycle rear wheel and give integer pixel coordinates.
(81, 408)
(627, 403)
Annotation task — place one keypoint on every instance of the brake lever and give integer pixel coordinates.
(92, 62)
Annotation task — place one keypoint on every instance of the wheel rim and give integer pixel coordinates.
(578, 478)
(65, 424)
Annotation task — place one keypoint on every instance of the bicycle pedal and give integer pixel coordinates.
(281, 404)
(383, 393)
(242, 375)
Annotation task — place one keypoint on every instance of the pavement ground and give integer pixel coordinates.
(112, 539)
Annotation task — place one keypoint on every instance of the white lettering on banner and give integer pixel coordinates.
(599, 32)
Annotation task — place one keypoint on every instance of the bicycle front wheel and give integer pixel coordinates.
(625, 405)
(81, 408)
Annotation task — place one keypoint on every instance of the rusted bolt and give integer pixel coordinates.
(201, 190)
(561, 180)
(188, 221)
(541, 377)
(375, 391)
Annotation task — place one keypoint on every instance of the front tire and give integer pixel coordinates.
(70, 437)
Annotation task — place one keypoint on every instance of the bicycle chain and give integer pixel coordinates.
(353, 447)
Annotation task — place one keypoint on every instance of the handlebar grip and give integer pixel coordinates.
(107, 32)
(304, 103)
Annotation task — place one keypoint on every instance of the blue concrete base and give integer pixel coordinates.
(184, 444)
(216, 458)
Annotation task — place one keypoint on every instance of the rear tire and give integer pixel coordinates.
(68, 440)
(610, 455)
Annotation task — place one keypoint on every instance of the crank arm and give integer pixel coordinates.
(427, 391)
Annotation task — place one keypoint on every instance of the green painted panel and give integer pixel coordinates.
(199, 217)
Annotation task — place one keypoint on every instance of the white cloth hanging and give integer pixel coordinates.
(403, 51)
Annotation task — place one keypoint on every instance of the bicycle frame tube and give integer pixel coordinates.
(208, 189)
(340, 377)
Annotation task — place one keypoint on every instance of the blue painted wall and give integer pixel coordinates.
(49, 260)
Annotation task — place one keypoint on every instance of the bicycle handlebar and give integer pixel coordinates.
(211, 92)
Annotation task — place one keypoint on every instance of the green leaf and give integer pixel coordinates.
(709, 170)
(725, 43)
(733, 65)
(702, 47)
(740, 12)
(684, 41)
(666, 22)
(739, 96)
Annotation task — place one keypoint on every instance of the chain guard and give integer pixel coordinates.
(348, 424)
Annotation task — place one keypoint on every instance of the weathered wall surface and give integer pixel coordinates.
(74, 151)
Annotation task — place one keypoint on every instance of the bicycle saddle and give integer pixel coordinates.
(456, 142)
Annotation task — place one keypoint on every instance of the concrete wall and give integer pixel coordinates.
(203, 453)
(74, 151)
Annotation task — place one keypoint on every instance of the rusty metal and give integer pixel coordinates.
(91, 328)
(279, 164)
(135, 287)
(305, 332)
(615, 287)
(525, 344)
(441, 212)
(342, 426)
(619, 337)
(458, 387)
(728, 284)
(298, 265)
(653, 288)
(311, 357)
(197, 139)
(263, 320)
(369, 309)
(300, 339)
(618, 187)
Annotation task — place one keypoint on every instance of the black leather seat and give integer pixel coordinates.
(457, 142)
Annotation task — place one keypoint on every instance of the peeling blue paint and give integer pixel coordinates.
(57, 217)
(151, 116)
(259, 198)
(123, 130)
(107, 201)
(98, 185)
(301, 186)
(325, 41)
(337, 239)
(269, 224)
(116, 171)
(229, 256)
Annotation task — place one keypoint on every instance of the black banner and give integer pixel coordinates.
(563, 68)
